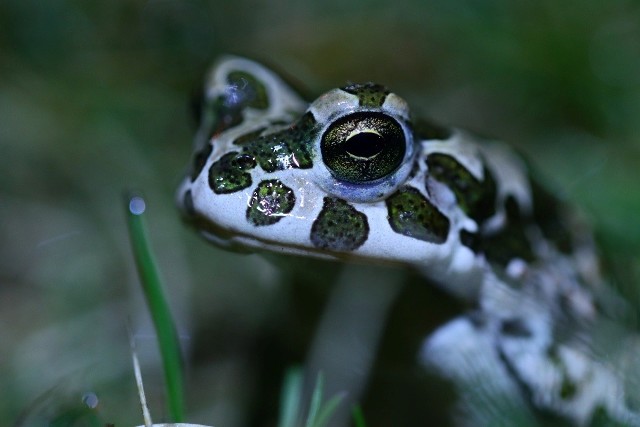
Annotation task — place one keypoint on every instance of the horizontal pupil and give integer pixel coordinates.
(364, 145)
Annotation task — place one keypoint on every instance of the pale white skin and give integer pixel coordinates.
(463, 350)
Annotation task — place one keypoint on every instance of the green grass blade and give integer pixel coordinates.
(158, 307)
(358, 416)
(316, 401)
(327, 410)
(290, 398)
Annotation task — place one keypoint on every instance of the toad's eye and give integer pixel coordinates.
(363, 147)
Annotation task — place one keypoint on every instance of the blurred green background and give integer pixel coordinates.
(94, 100)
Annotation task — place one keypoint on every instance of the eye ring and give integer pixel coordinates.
(363, 147)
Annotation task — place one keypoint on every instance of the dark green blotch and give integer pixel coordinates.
(512, 209)
(411, 214)
(187, 203)
(508, 243)
(471, 240)
(339, 226)
(228, 175)
(369, 94)
(476, 198)
(568, 389)
(549, 213)
(515, 327)
(426, 130)
(213, 116)
(225, 111)
(218, 116)
(252, 92)
(601, 418)
(270, 202)
(285, 149)
(199, 160)
(248, 137)
(512, 240)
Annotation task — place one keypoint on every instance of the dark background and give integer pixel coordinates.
(94, 100)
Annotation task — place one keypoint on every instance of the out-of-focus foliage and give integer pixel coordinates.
(94, 100)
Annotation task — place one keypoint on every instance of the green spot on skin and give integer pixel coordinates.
(248, 137)
(424, 129)
(199, 160)
(369, 94)
(411, 214)
(512, 240)
(228, 175)
(551, 215)
(476, 198)
(187, 203)
(601, 417)
(226, 110)
(568, 389)
(287, 149)
(217, 116)
(471, 240)
(270, 202)
(253, 92)
(515, 327)
(339, 226)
